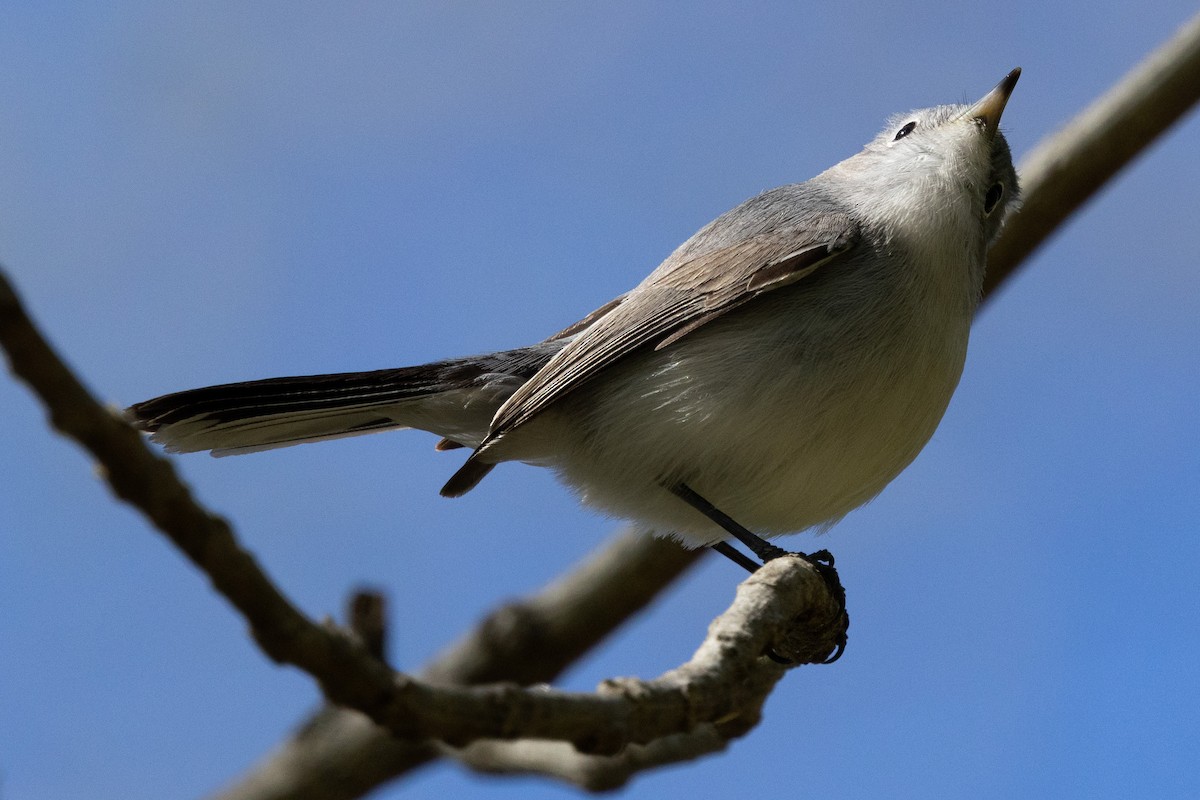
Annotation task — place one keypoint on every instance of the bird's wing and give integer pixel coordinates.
(675, 300)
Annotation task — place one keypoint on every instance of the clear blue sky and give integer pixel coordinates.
(199, 193)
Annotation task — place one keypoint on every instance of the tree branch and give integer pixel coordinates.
(534, 640)
(1067, 168)
(727, 679)
(340, 754)
(591, 772)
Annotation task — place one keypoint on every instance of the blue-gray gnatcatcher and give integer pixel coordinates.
(780, 367)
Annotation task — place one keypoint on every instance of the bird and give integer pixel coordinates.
(773, 373)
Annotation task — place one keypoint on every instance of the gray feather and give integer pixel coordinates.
(278, 412)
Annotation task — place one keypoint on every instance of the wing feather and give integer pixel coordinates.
(675, 300)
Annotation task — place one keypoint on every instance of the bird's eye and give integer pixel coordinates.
(905, 131)
(994, 193)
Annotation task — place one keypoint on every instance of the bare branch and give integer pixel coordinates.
(590, 772)
(340, 753)
(534, 640)
(727, 678)
(136, 475)
(605, 772)
(1066, 169)
(150, 484)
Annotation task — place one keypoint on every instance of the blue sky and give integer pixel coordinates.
(200, 193)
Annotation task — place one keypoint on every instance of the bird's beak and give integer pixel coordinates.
(989, 107)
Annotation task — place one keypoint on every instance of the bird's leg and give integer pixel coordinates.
(822, 560)
(735, 555)
(759, 546)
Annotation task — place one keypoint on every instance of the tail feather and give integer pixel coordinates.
(454, 399)
(467, 478)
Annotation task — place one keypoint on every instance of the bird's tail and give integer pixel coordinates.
(455, 399)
